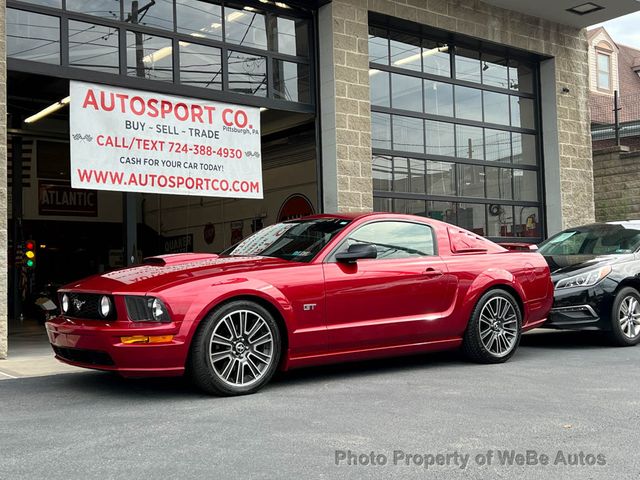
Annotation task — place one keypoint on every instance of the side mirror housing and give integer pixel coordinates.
(356, 252)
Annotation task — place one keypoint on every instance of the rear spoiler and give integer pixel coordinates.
(519, 247)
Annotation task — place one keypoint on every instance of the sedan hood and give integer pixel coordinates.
(161, 272)
(566, 265)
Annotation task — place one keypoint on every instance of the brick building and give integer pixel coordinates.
(468, 111)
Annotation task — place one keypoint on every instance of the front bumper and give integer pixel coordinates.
(98, 345)
(583, 308)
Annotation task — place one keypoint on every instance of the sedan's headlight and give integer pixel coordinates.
(146, 309)
(586, 279)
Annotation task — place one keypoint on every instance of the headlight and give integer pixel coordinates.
(105, 306)
(65, 303)
(146, 309)
(586, 279)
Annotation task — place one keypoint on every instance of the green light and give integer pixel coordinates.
(29, 263)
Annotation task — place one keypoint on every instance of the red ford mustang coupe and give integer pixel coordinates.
(326, 288)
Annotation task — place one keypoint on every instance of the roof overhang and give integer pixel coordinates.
(558, 10)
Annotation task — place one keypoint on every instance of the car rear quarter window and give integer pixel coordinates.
(395, 239)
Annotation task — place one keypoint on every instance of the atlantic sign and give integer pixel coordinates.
(134, 141)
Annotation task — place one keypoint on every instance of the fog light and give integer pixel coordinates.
(105, 306)
(147, 339)
(65, 303)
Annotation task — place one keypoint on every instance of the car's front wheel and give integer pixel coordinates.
(625, 318)
(494, 329)
(236, 350)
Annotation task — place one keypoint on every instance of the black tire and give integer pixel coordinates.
(617, 333)
(209, 359)
(477, 344)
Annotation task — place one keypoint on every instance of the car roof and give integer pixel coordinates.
(359, 215)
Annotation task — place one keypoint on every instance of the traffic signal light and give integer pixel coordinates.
(30, 253)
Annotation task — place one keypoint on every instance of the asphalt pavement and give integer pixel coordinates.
(564, 398)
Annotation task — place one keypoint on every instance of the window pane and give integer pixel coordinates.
(293, 37)
(468, 65)
(410, 207)
(199, 19)
(200, 66)
(291, 81)
(382, 173)
(468, 103)
(471, 181)
(408, 134)
(603, 81)
(379, 87)
(440, 138)
(496, 108)
(31, 36)
(400, 174)
(382, 204)
(436, 59)
(244, 27)
(416, 174)
(406, 92)
(443, 211)
(500, 221)
(438, 98)
(247, 73)
(396, 239)
(498, 181)
(94, 47)
(381, 130)
(441, 178)
(378, 46)
(157, 14)
(46, 3)
(520, 76)
(524, 148)
(528, 222)
(472, 217)
(603, 62)
(100, 8)
(497, 145)
(469, 142)
(149, 57)
(495, 71)
(522, 112)
(406, 51)
(525, 185)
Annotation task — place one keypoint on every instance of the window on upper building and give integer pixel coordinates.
(604, 71)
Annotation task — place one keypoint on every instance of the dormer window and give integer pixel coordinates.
(604, 71)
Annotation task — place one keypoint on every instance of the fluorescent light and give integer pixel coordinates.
(49, 110)
(585, 8)
(263, 109)
(282, 5)
(426, 53)
(234, 16)
(249, 9)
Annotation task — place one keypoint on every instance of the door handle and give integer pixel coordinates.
(432, 272)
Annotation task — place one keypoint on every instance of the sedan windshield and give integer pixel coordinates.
(602, 239)
(299, 241)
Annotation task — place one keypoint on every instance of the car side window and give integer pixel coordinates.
(394, 239)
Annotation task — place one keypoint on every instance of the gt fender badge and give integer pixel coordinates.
(307, 307)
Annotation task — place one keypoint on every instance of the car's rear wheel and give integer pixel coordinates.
(494, 329)
(625, 318)
(236, 350)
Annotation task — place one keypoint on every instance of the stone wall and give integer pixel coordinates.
(616, 179)
(4, 244)
(349, 41)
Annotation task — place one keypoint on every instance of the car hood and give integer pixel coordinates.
(566, 265)
(178, 269)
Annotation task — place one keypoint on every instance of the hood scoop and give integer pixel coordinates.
(178, 258)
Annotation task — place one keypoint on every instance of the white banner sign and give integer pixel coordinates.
(135, 141)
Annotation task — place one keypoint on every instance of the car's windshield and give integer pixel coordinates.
(299, 241)
(604, 239)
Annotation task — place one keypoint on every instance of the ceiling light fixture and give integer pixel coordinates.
(585, 8)
(49, 110)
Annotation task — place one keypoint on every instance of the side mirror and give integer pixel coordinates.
(357, 251)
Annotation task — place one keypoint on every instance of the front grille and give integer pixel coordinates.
(87, 305)
(88, 357)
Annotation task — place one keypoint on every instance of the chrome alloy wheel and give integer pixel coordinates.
(241, 348)
(629, 317)
(498, 326)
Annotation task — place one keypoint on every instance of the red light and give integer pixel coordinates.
(29, 245)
